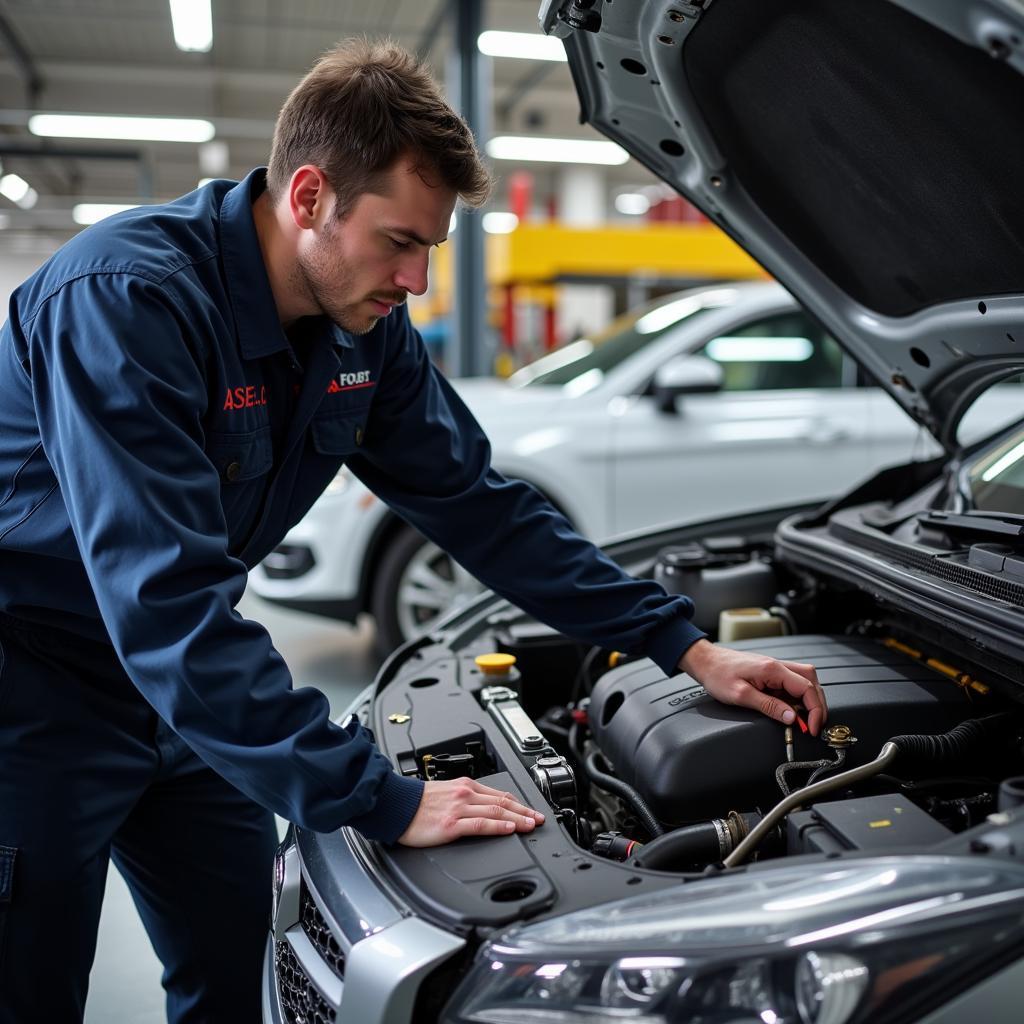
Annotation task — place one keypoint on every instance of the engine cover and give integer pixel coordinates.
(692, 758)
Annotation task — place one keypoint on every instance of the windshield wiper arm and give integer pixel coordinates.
(1006, 525)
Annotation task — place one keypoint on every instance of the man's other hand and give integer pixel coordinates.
(748, 679)
(464, 807)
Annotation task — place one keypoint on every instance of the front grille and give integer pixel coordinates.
(301, 1002)
(318, 932)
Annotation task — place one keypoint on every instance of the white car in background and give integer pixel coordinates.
(704, 403)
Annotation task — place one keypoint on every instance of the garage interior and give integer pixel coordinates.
(579, 241)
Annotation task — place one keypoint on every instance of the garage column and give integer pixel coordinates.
(468, 89)
(582, 202)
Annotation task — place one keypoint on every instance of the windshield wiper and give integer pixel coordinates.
(1005, 525)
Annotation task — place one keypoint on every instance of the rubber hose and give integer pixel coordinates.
(692, 844)
(956, 743)
(574, 742)
(627, 792)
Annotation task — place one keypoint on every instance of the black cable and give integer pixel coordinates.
(828, 766)
(583, 675)
(624, 790)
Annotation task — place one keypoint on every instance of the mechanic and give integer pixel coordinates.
(180, 383)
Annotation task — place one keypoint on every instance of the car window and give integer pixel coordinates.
(787, 350)
(997, 479)
(592, 358)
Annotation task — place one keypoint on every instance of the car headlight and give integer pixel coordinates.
(876, 939)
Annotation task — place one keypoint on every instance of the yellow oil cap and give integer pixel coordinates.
(495, 664)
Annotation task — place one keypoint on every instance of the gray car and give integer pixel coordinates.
(699, 862)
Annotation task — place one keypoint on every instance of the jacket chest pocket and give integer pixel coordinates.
(240, 457)
(339, 435)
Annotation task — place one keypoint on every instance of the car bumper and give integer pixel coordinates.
(320, 561)
(342, 947)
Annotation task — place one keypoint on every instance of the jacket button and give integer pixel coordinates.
(232, 470)
(359, 435)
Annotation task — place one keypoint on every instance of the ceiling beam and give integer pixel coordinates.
(34, 81)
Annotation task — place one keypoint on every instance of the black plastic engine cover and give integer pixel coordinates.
(692, 758)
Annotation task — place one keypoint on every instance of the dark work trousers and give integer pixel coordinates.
(89, 772)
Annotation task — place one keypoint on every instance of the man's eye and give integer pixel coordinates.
(397, 244)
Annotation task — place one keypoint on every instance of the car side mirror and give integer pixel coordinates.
(685, 375)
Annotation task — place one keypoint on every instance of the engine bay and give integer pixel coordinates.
(647, 776)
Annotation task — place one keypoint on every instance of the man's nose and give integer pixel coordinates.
(411, 275)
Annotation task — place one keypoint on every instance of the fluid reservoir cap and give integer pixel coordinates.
(495, 664)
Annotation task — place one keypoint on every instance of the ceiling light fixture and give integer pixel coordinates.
(556, 151)
(18, 190)
(521, 45)
(633, 204)
(500, 222)
(137, 129)
(90, 213)
(193, 25)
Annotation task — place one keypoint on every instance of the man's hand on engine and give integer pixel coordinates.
(464, 807)
(753, 680)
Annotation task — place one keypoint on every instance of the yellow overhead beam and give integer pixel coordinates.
(545, 252)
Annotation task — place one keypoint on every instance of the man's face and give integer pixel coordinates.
(357, 268)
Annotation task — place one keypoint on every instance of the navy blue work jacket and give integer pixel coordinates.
(158, 438)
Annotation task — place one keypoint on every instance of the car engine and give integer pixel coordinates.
(653, 772)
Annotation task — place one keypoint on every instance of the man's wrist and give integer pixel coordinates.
(696, 656)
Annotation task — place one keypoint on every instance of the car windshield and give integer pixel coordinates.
(589, 359)
(997, 480)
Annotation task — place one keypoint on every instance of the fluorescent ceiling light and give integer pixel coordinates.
(139, 129)
(556, 151)
(192, 24)
(524, 45)
(18, 190)
(90, 213)
(500, 222)
(632, 203)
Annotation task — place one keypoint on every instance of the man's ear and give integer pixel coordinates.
(308, 196)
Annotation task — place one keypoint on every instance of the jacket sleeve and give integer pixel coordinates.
(120, 391)
(427, 457)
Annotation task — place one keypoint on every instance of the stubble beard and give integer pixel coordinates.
(320, 275)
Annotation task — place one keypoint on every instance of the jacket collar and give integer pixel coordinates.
(252, 301)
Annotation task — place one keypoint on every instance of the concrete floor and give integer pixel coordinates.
(125, 983)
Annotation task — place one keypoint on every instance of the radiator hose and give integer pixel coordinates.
(704, 843)
(624, 790)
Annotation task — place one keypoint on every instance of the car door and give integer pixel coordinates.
(788, 425)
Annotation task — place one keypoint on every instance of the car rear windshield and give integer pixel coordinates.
(997, 480)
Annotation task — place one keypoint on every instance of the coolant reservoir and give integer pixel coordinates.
(498, 670)
(715, 579)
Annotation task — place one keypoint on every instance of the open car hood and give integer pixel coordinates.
(869, 155)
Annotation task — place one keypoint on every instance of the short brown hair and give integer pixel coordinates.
(364, 105)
